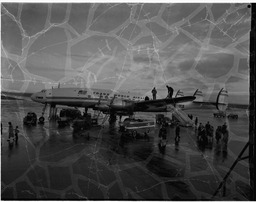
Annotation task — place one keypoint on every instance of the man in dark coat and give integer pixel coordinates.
(154, 92)
(170, 91)
(177, 132)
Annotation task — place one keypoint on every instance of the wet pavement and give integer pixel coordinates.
(52, 163)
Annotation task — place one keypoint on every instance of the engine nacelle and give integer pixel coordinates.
(118, 104)
(115, 105)
(102, 107)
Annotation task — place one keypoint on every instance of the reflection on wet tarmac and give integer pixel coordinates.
(50, 162)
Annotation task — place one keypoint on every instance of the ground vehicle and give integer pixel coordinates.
(219, 114)
(136, 128)
(160, 119)
(233, 116)
(82, 123)
(30, 119)
(68, 115)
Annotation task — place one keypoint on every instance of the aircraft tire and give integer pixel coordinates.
(41, 119)
(134, 134)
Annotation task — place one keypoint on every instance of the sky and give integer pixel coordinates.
(127, 47)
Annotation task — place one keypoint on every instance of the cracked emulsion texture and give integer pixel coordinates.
(123, 47)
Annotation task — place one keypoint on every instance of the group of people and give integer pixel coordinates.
(205, 134)
(222, 134)
(163, 136)
(169, 95)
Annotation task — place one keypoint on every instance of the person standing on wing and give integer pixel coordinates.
(154, 92)
(170, 91)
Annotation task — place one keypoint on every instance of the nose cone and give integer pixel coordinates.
(33, 97)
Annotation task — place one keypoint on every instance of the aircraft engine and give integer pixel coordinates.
(222, 100)
(102, 107)
(118, 104)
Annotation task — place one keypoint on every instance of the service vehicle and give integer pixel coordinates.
(232, 116)
(219, 114)
(137, 128)
(68, 115)
(30, 119)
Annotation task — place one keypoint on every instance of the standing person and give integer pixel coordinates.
(204, 139)
(207, 129)
(170, 91)
(1, 134)
(210, 135)
(177, 132)
(16, 134)
(200, 127)
(162, 138)
(225, 140)
(196, 121)
(224, 127)
(154, 92)
(218, 134)
(11, 135)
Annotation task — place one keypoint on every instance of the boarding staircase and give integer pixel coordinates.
(181, 116)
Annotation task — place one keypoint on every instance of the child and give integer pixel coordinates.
(16, 134)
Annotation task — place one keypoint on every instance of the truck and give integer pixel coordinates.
(160, 119)
(219, 114)
(68, 115)
(30, 119)
(232, 116)
(137, 128)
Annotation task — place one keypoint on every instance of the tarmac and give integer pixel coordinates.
(49, 162)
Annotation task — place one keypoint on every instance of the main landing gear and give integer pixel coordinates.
(41, 119)
(52, 113)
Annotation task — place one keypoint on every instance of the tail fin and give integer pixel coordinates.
(222, 100)
(179, 94)
(199, 96)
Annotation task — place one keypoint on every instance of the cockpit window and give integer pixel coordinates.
(43, 91)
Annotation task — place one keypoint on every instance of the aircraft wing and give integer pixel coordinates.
(142, 105)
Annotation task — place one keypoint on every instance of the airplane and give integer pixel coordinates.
(221, 102)
(119, 103)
